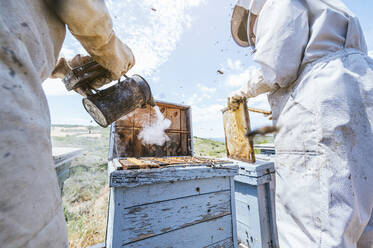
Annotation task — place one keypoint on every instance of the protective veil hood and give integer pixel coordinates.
(239, 22)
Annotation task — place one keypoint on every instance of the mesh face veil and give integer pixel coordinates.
(243, 21)
(251, 19)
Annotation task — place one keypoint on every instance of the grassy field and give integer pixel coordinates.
(85, 194)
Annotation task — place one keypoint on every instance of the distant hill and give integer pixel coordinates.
(208, 147)
(222, 139)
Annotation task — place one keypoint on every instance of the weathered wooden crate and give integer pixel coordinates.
(255, 210)
(178, 207)
(125, 132)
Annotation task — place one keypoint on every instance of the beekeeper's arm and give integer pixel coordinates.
(281, 38)
(89, 21)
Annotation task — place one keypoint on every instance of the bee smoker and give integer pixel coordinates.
(108, 105)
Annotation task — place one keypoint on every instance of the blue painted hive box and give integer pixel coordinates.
(162, 196)
(255, 210)
(183, 205)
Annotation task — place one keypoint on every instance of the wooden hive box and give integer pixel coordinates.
(125, 131)
(178, 207)
(255, 208)
(254, 186)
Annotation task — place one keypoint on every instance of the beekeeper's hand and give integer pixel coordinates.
(235, 99)
(94, 76)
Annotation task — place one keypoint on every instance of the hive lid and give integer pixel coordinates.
(138, 177)
(258, 169)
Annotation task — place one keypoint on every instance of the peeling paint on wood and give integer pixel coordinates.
(254, 198)
(189, 207)
(162, 192)
(227, 243)
(125, 131)
(170, 215)
(200, 235)
(134, 178)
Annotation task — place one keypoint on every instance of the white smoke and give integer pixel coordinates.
(154, 134)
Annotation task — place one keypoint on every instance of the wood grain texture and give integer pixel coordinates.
(129, 197)
(123, 142)
(149, 220)
(189, 207)
(184, 120)
(227, 243)
(112, 220)
(134, 178)
(253, 180)
(173, 114)
(180, 133)
(236, 125)
(255, 206)
(233, 210)
(174, 144)
(194, 236)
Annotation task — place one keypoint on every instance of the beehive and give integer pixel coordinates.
(162, 196)
(255, 209)
(180, 206)
(254, 186)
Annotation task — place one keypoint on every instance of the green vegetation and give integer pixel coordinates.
(263, 139)
(85, 193)
(207, 147)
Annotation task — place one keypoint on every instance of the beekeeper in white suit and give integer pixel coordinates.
(31, 36)
(313, 62)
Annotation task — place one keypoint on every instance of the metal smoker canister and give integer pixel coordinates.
(110, 104)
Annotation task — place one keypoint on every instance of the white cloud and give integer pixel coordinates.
(207, 113)
(240, 79)
(55, 87)
(206, 89)
(260, 102)
(151, 35)
(204, 93)
(208, 120)
(193, 99)
(234, 65)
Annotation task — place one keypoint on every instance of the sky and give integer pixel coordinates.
(179, 46)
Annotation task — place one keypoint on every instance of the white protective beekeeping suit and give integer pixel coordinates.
(31, 36)
(314, 65)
